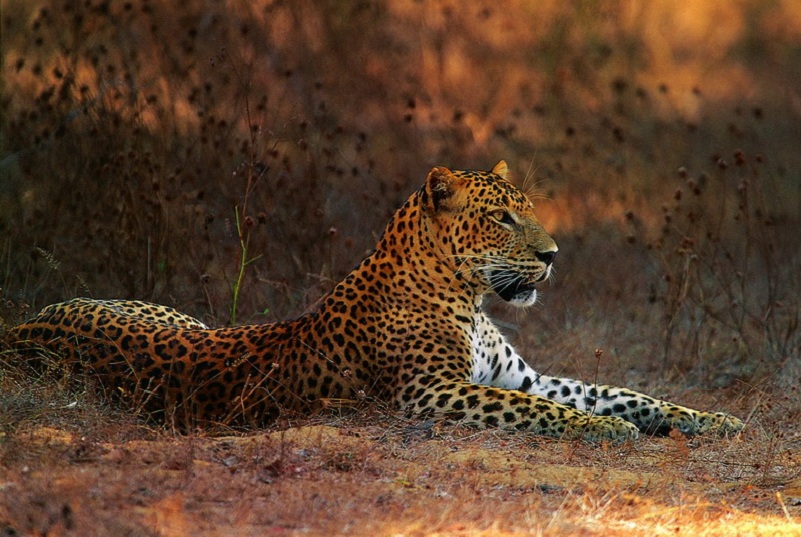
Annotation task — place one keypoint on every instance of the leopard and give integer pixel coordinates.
(406, 327)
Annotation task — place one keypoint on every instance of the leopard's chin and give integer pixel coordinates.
(523, 298)
(516, 289)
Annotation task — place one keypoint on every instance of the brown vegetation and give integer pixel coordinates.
(235, 159)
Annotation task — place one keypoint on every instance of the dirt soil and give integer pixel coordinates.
(381, 475)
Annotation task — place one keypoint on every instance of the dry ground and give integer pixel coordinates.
(70, 465)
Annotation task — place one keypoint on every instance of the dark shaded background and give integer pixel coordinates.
(150, 147)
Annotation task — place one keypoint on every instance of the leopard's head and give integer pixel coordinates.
(486, 229)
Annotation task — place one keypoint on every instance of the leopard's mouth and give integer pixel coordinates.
(513, 286)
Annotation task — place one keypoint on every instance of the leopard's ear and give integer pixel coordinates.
(501, 169)
(440, 188)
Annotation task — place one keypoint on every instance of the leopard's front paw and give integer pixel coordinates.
(718, 422)
(599, 428)
(692, 422)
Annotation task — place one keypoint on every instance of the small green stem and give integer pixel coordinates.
(243, 255)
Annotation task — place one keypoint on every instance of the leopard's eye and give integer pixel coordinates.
(503, 217)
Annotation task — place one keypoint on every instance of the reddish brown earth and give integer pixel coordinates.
(378, 475)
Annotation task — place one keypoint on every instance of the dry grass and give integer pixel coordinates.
(70, 471)
(235, 159)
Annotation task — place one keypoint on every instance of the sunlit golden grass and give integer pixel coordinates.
(660, 139)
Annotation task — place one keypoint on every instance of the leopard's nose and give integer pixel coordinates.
(546, 257)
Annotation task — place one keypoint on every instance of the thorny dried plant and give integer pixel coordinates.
(725, 267)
